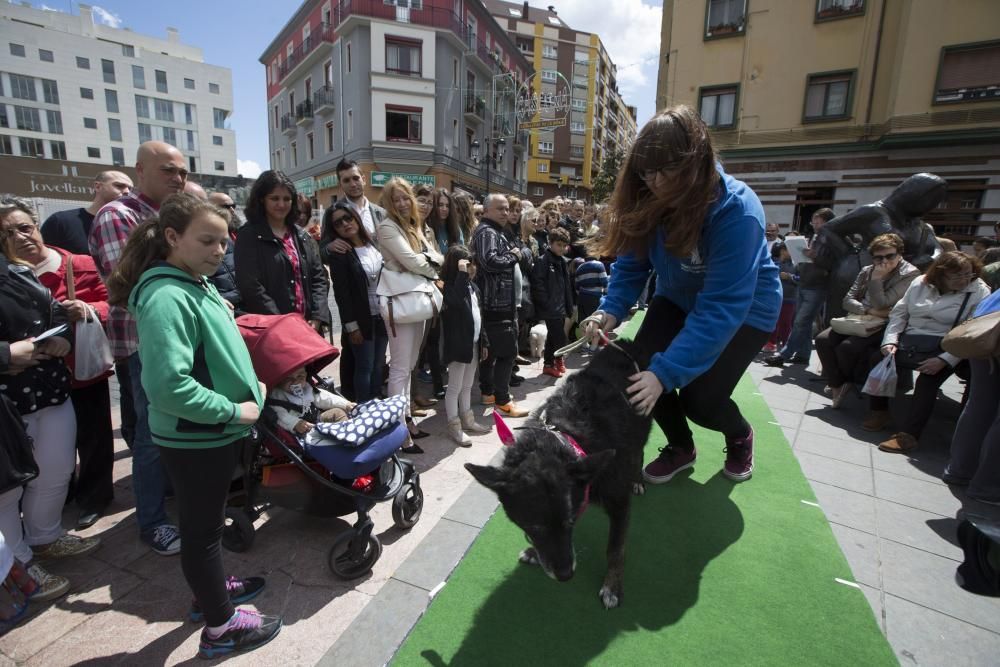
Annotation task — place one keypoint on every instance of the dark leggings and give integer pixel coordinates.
(707, 399)
(925, 392)
(201, 480)
(555, 338)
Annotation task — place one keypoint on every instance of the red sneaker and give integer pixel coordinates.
(561, 365)
(551, 371)
(671, 461)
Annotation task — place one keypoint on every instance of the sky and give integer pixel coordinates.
(231, 36)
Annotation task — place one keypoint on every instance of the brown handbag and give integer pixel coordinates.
(978, 338)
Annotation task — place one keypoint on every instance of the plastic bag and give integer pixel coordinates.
(92, 352)
(882, 380)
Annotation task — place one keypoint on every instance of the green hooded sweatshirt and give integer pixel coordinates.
(195, 366)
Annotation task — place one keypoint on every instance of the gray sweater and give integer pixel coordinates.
(866, 294)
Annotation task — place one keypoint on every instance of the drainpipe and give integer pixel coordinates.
(878, 49)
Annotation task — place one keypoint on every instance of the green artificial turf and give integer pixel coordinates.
(716, 573)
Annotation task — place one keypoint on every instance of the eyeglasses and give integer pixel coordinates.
(342, 220)
(650, 174)
(174, 171)
(885, 258)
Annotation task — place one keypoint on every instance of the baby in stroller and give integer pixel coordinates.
(298, 406)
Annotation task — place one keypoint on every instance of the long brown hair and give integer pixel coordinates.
(450, 223)
(465, 217)
(147, 243)
(412, 226)
(953, 261)
(677, 140)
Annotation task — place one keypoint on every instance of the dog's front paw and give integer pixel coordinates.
(638, 488)
(609, 598)
(529, 556)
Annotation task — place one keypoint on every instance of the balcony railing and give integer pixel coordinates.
(475, 105)
(323, 99)
(303, 111)
(288, 123)
(435, 17)
(308, 45)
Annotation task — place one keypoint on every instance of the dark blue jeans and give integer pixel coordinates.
(149, 479)
(369, 363)
(800, 340)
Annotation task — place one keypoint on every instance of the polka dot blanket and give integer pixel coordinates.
(367, 421)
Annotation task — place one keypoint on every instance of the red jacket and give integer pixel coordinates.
(89, 288)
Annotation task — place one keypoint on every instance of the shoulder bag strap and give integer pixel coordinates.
(958, 318)
(70, 280)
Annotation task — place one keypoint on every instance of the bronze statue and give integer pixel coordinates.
(899, 213)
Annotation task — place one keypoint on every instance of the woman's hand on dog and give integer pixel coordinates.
(645, 391)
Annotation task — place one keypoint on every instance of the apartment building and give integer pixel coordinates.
(565, 160)
(402, 87)
(834, 102)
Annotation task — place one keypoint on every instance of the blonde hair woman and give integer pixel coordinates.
(403, 243)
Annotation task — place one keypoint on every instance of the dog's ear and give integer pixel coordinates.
(488, 476)
(586, 469)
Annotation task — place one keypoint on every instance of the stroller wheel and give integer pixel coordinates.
(349, 559)
(238, 533)
(407, 505)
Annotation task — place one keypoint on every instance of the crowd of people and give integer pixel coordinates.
(165, 267)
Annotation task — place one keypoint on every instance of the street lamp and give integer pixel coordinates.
(495, 147)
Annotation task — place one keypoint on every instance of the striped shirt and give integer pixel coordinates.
(112, 226)
(591, 278)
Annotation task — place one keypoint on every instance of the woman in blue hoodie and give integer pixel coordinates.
(675, 212)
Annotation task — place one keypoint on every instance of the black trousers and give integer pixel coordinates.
(555, 338)
(95, 445)
(201, 479)
(125, 406)
(347, 368)
(925, 392)
(707, 399)
(846, 358)
(494, 372)
(431, 355)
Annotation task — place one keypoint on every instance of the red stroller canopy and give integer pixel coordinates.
(279, 344)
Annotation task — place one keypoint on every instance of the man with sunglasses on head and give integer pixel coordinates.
(161, 171)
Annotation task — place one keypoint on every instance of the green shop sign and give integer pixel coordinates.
(305, 186)
(380, 178)
(326, 182)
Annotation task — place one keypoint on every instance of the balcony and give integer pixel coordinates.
(474, 108)
(305, 49)
(303, 112)
(434, 17)
(288, 124)
(323, 100)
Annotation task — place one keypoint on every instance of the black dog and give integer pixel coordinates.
(545, 481)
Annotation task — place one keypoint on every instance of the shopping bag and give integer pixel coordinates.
(882, 380)
(92, 354)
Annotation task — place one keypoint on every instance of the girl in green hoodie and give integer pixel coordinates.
(203, 399)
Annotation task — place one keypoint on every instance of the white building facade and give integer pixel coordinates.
(74, 90)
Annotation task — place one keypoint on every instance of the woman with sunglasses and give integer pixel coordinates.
(875, 291)
(676, 213)
(355, 277)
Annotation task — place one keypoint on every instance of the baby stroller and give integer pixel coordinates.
(279, 470)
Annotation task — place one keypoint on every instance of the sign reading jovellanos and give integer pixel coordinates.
(54, 179)
(380, 178)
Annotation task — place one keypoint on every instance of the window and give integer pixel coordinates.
(192, 164)
(161, 80)
(837, 9)
(118, 156)
(58, 150)
(581, 57)
(54, 121)
(27, 118)
(328, 73)
(828, 96)
(90, 123)
(115, 129)
(576, 151)
(189, 84)
(31, 147)
(4, 121)
(402, 124)
(46, 56)
(190, 140)
(170, 135)
(579, 105)
(277, 116)
(725, 17)
(87, 93)
(968, 73)
(5, 145)
(219, 118)
(108, 70)
(50, 91)
(93, 151)
(350, 124)
(310, 148)
(576, 127)
(549, 51)
(128, 50)
(543, 167)
(142, 106)
(220, 166)
(348, 57)
(188, 114)
(145, 133)
(548, 75)
(213, 88)
(402, 56)
(216, 140)
(138, 77)
(329, 137)
(538, 191)
(545, 147)
(83, 63)
(111, 101)
(17, 50)
(718, 106)
(295, 154)
(22, 87)
(163, 110)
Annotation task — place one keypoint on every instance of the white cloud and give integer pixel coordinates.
(107, 18)
(630, 31)
(46, 8)
(248, 168)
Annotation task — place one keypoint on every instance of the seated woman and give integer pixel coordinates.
(933, 304)
(875, 291)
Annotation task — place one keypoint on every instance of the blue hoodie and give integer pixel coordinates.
(729, 281)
